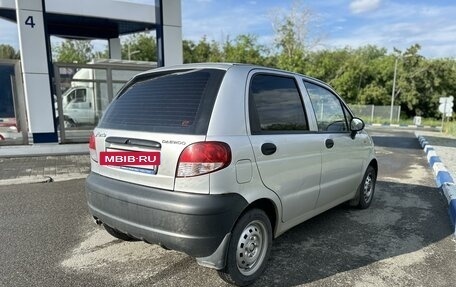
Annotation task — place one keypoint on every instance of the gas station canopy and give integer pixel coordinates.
(88, 19)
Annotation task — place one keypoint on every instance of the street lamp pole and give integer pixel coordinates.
(394, 90)
(131, 53)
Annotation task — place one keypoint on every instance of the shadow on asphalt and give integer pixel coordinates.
(403, 218)
(393, 142)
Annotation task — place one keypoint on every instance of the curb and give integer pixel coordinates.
(404, 126)
(443, 178)
(450, 194)
(41, 179)
(43, 150)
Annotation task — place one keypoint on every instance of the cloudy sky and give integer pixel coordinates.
(386, 23)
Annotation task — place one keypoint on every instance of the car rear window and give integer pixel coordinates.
(172, 102)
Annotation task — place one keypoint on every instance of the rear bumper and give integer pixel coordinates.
(191, 223)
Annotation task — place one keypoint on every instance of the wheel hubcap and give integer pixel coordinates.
(368, 188)
(251, 247)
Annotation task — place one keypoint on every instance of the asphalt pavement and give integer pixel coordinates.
(403, 239)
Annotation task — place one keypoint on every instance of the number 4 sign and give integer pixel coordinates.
(29, 21)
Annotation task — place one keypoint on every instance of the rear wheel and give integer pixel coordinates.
(119, 235)
(249, 249)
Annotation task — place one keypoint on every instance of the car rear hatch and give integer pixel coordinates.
(162, 112)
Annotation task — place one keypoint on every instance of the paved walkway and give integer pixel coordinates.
(445, 148)
(33, 169)
(441, 154)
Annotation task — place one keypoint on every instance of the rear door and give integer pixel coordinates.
(343, 157)
(162, 112)
(287, 155)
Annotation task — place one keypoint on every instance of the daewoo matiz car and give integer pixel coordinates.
(241, 154)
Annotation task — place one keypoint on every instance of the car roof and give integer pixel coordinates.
(225, 66)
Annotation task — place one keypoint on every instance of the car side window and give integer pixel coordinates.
(80, 96)
(275, 105)
(328, 109)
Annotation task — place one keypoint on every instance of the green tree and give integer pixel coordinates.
(187, 48)
(203, 51)
(244, 49)
(423, 81)
(377, 82)
(292, 37)
(73, 51)
(348, 71)
(372, 69)
(8, 52)
(140, 47)
(326, 65)
(104, 54)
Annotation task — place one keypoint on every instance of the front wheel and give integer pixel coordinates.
(69, 123)
(366, 189)
(249, 249)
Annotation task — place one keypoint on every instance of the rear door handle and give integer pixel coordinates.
(329, 143)
(268, 148)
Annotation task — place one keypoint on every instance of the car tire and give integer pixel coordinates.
(119, 235)
(249, 249)
(366, 189)
(69, 123)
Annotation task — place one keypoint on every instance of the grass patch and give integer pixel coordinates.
(450, 128)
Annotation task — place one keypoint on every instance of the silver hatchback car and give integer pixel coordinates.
(216, 160)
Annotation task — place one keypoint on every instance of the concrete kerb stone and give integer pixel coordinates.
(26, 180)
(450, 193)
(43, 150)
(404, 126)
(443, 178)
(41, 179)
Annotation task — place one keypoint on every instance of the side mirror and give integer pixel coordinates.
(356, 125)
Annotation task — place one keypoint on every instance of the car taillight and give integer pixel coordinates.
(202, 158)
(93, 148)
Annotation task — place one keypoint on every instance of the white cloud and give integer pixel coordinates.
(361, 6)
(435, 40)
(218, 26)
(401, 25)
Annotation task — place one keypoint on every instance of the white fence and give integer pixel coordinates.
(372, 113)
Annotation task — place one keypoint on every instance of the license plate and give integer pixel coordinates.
(137, 161)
